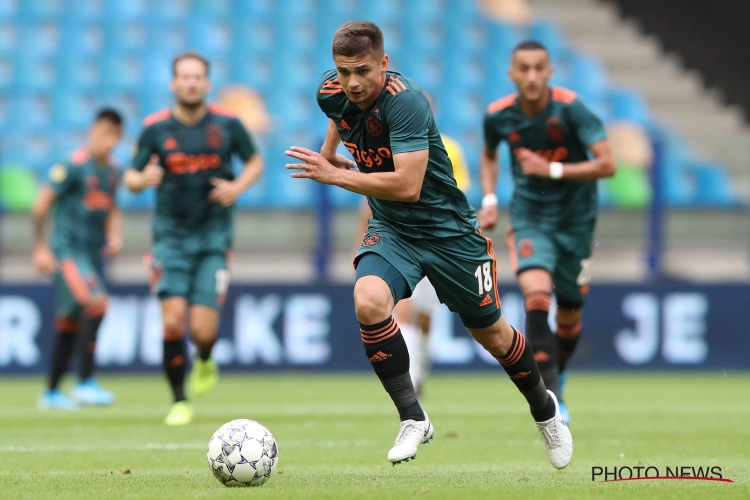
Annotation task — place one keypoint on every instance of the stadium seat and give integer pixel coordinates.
(168, 10)
(39, 39)
(549, 34)
(30, 111)
(713, 186)
(209, 37)
(31, 73)
(30, 9)
(6, 73)
(122, 71)
(80, 38)
(588, 77)
(8, 38)
(213, 9)
(88, 10)
(125, 36)
(8, 10)
(78, 72)
(628, 105)
(73, 108)
(253, 8)
(125, 11)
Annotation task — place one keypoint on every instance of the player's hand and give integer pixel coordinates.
(113, 246)
(532, 163)
(152, 174)
(224, 193)
(315, 167)
(44, 260)
(488, 217)
(340, 161)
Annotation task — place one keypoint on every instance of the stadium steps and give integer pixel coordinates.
(676, 97)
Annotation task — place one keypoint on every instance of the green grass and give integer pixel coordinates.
(334, 432)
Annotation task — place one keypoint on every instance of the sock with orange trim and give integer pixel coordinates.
(389, 357)
(88, 346)
(174, 366)
(567, 340)
(520, 366)
(543, 342)
(65, 341)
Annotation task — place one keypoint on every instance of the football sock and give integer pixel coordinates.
(174, 365)
(88, 347)
(204, 354)
(567, 340)
(543, 343)
(520, 366)
(386, 349)
(67, 331)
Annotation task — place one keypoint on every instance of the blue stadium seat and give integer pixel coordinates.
(30, 149)
(8, 10)
(501, 38)
(460, 109)
(213, 9)
(713, 186)
(422, 11)
(39, 39)
(252, 8)
(253, 35)
(73, 109)
(628, 105)
(588, 77)
(381, 12)
(78, 72)
(123, 11)
(6, 73)
(39, 8)
(253, 70)
(168, 10)
(123, 71)
(80, 38)
(8, 38)
(549, 34)
(166, 37)
(125, 36)
(209, 37)
(88, 10)
(423, 38)
(157, 69)
(154, 99)
(32, 73)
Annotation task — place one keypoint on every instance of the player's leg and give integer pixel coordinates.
(169, 280)
(464, 273)
(67, 329)
(88, 391)
(209, 289)
(403, 313)
(423, 301)
(379, 286)
(535, 256)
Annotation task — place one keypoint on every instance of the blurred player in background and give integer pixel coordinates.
(192, 227)
(422, 225)
(550, 132)
(87, 227)
(414, 315)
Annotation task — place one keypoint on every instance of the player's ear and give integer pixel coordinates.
(384, 63)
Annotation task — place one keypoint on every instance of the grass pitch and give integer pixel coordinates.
(334, 432)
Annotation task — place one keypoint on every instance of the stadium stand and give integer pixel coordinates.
(59, 61)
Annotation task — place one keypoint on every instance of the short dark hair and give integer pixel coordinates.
(529, 45)
(189, 55)
(357, 37)
(110, 115)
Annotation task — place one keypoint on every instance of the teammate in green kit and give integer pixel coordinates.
(192, 226)
(550, 132)
(422, 225)
(87, 226)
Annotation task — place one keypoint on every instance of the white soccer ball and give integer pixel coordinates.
(242, 453)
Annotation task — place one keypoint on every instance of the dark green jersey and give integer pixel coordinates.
(85, 192)
(564, 132)
(400, 120)
(192, 155)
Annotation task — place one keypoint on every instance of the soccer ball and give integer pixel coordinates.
(242, 453)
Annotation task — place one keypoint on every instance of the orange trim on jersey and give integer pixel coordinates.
(389, 89)
(491, 253)
(73, 278)
(399, 82)
(332, 87)
(511, 240)
(80, 156)
(159, 116)
(502, 103)
(218, 109)
(331, 91)
(563, 95)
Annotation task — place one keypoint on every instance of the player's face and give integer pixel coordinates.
(530, 70)
(362, 77)
(103, 138)
(190, 83)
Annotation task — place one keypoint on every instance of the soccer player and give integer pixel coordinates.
(414, 315)
(550, 132)
(422, 225)
(87, 226)
(192, 226)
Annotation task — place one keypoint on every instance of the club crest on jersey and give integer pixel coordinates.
(371, 240)
(374, 127)
(526, 248)
(555, 132)
(170, 143)
(514, 137)
(213, 136)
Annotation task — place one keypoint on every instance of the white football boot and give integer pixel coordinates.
(411, 434)
(558, 442)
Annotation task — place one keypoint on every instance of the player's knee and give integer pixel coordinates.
(174, 325)
(203, 334)
(372, 306)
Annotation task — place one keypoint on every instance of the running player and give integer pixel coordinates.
(554, 206)
(422, 225)
(192, 228)
(414, 315)
(87, 226)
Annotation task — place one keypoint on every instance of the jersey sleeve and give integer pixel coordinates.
(63, 177)
(145, 148)
(242, 141)
(408, 119)
(328, 93)
(491, 133)
(588, 126)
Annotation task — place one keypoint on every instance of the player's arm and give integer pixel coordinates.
(330, 146)
(489, 173)
(113, 232)
(44, 259)
(226, 192)
(602, 165)
(403, 184)
(145, 171)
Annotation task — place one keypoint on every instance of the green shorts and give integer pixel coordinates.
(76, 281)
(463, 270)
(201, 278)
(566, 255)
